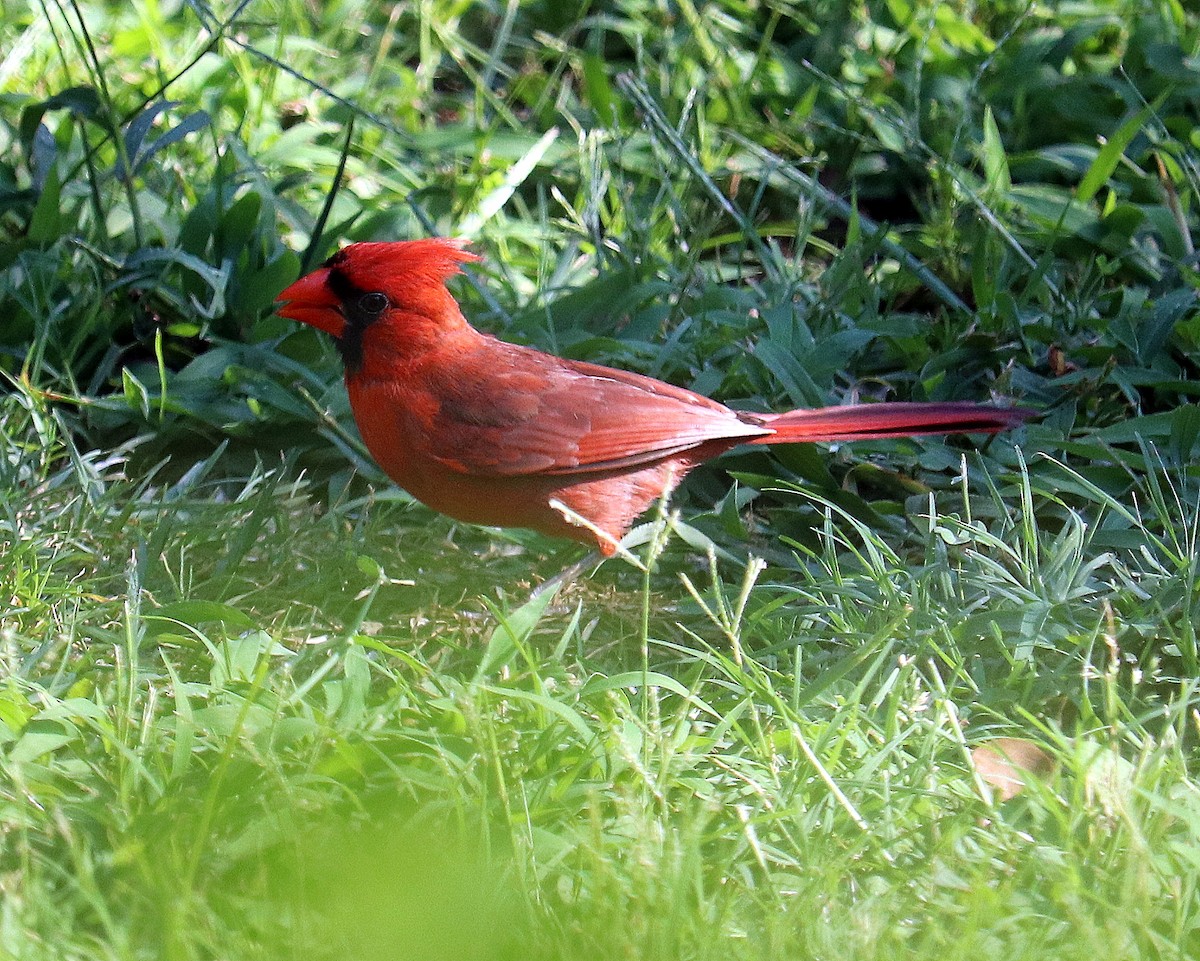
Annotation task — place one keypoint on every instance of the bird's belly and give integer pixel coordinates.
(608, 501)
(409, 456)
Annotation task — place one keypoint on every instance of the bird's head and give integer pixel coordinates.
(396, 288)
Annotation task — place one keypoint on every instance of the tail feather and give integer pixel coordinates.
(893, 419)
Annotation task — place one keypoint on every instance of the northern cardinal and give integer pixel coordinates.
(499, 434)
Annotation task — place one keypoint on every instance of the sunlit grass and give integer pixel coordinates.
(195, 763)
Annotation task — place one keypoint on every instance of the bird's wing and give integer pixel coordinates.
(525, 412)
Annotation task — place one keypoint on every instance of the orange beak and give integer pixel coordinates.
(310, 301)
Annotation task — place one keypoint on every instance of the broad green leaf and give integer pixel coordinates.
(995, 163)
(194, 614)
(34, 744)
(511, 632)
(135, 134)
(239, 223)
(81, 101)
(136, 394)
(599, 91)
(46, 224)
(1110, 155)
(193, 122)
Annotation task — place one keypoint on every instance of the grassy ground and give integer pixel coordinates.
(255, 703)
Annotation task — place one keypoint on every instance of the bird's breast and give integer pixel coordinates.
(397, 425)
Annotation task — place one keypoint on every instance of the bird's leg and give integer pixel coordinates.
(568, 574)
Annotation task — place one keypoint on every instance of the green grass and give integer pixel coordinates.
(254, 702)
(193, 768)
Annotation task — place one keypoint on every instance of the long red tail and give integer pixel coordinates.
(894, 419)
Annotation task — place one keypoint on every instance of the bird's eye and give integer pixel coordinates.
(373, 303)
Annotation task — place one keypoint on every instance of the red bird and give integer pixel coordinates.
(498, 434)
